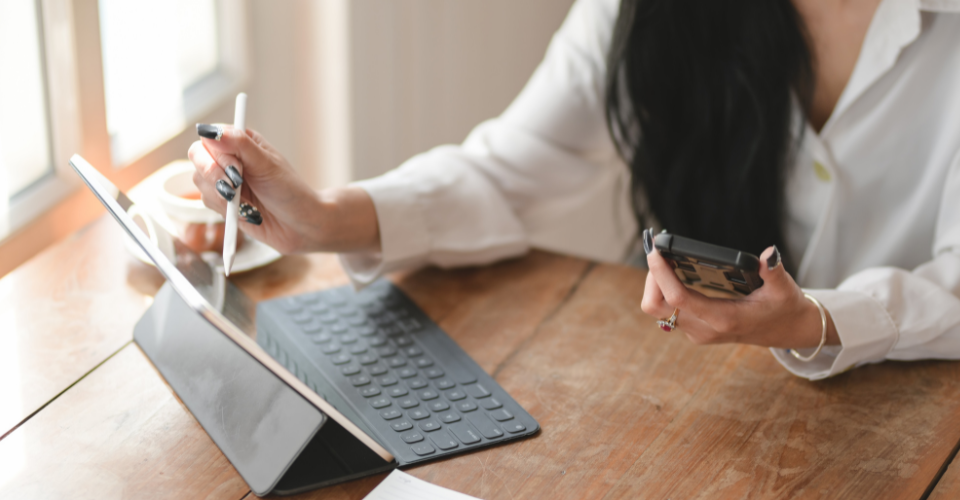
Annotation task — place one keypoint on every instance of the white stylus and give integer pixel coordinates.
(233, 206)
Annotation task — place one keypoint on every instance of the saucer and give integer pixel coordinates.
(251, 255)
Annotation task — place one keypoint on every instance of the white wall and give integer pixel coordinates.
(348, 89)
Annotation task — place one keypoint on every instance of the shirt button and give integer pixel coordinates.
(822, 173)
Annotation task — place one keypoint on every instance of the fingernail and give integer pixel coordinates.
(234, 176)
(256, 221)
(247, 210)
(774, 259)
(225, 190)
(214, 132)
(647, 241)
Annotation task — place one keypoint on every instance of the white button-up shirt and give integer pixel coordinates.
(873, 201)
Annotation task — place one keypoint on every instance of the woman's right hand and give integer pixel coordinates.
(293, 217)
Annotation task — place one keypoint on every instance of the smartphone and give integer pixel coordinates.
(710, 269)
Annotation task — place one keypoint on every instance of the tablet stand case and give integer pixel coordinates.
(277, 441)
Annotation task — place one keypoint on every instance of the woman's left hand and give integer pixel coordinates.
(775, 315)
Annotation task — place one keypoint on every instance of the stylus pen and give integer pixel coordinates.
(233, 206)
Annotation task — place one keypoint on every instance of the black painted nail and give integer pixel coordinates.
(214, 132)
(647, 241)
(234, 176)
(255, 220)
(774, 259)
(225, 190)
(246, 210)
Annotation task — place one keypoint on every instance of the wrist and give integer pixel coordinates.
(347, 221)
(813, 329)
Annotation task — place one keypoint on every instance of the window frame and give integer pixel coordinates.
(72, 63)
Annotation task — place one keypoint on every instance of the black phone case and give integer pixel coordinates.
(710, 269)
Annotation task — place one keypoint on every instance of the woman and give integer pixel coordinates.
(829, 130)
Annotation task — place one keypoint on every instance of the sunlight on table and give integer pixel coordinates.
(12, 451)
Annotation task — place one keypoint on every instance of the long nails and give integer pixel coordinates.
(647, 241)
(225, 190)
(234, 176)
(774, 259)
(214, 132)
(251, 214)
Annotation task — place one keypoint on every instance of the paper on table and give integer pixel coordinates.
(402, 486)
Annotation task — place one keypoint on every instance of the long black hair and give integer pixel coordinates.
(700, 103)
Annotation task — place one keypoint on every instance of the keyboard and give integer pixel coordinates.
(383, 363)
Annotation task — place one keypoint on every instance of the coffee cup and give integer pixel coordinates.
(200, 228)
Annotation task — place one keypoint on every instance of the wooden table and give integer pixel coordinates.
(626, 410)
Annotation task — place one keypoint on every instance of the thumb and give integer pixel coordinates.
(772, 271)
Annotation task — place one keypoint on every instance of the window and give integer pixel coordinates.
(24, 134)
(165, 65)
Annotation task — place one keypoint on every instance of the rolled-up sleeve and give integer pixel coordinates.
(544, 174)
(887, 313)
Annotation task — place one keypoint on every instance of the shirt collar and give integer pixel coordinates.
(895, 25)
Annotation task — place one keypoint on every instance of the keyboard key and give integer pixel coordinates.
(465, 433)
(410, 325)
(430, 425)
(486, 426)
(366, 330)
(380, 403)
(397, 391)
(358, 349)
(407, 372)
(422, 449)
(318, 308)
(329, 317)
(444, 384)
(418, 414)
(330, 348)
(501, 415)
(339, 327)
(455, 395)
(313, 326)
(377, 369)
(290, 305)
(360, 380)
(424, 362)
(416, 383)
(449, 417)
(390, 330)
(357, 321)
(367, 359)
(401, 313)
(302, 317)
(412, 437)
(464, 378)
(369, 392)
(348, 311)
(466, 406)
(443, 440)
(438, 406)
(391, 414)
(341, 359)
(387, 351)
(433, 372)
(406, 403)
(321, 338)
(350, 370)
(412, 352)
(337, 300)
(427, 395)
(397, 362)
(387, 381)
(348, 339)
(514, 427)
(403, 341)
(477, 391)
(402, 425)
(490, 404)
(377, 341)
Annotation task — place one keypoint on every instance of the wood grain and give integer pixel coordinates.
(64, 312)
(948, 488)
(118, 433)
